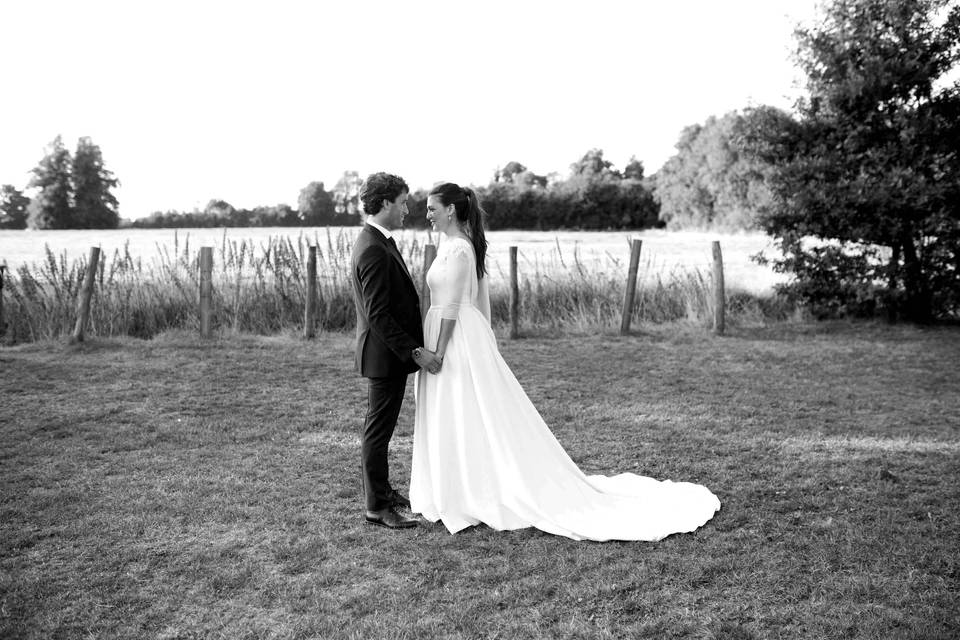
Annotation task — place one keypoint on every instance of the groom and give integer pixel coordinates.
(389, 338)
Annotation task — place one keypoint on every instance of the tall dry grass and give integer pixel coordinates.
(262, 289)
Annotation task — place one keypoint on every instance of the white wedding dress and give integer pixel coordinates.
(482, 453)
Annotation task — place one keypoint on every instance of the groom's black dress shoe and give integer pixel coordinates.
(399, 500)
(390, 519)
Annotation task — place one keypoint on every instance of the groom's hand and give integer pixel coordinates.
(437, 363)
(428, 360)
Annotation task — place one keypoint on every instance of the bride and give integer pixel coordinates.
(481, 451)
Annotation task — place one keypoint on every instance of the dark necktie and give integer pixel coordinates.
(393, 245)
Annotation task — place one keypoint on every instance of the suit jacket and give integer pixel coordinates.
(389, 326)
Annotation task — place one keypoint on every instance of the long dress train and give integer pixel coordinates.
(482, 453)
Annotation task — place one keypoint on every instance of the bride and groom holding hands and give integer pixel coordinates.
(481, 451)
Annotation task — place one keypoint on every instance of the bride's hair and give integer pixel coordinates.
(469, 213)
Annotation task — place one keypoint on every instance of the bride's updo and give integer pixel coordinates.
(470, 214)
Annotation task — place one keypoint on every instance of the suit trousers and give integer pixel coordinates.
(384, 397)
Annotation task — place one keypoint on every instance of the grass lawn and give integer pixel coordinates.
(177, 488)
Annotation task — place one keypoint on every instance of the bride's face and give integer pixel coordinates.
(439, 216)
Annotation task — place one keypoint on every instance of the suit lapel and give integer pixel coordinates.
(396, 254)
(391, 249)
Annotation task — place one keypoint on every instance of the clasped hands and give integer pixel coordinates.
(429, 361)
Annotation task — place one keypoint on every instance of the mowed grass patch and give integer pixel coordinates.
(179, 488)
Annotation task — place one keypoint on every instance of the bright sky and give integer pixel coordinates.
(250, 101)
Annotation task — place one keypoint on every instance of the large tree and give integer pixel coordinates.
(866, 176)
(219, 210)
(710, 182)
(634, 169)
(95, 207)
(13, 208)
(592, 167)
(316, 205)
(346, 197)
(52, 206)
(515, 173)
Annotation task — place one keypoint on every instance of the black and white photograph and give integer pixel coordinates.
(470, 320)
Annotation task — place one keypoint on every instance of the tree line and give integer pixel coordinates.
(596, 195)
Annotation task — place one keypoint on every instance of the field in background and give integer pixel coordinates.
(549, 251)
(259, 285)
(188, 488)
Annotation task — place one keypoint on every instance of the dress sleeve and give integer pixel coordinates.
(460, 272)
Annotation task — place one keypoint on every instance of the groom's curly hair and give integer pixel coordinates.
(379, 187)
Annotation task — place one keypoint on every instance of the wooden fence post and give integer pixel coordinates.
(310, 310)
(3, 326)
(719, 296)
(514, 296)
(429, 255)
(206, 289)
(83, 304)
(631, 290)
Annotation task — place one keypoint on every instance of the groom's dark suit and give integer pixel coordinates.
(389, 328)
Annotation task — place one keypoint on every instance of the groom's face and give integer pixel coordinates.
(395, 212)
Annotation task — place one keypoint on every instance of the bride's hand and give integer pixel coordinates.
(430, 362)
